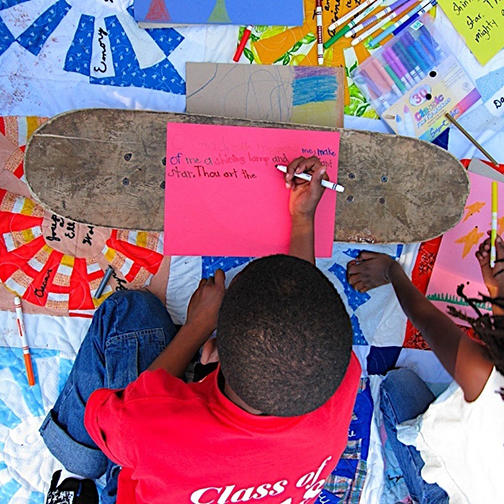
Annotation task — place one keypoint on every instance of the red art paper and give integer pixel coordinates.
(224, 196)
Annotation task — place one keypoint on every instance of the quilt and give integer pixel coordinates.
(55, 265)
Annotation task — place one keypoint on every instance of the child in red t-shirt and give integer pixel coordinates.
(269, 424)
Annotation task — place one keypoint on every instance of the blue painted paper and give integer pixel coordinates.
(258, 12)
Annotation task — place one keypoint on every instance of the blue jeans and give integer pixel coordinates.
(128, 331)
(403, 396)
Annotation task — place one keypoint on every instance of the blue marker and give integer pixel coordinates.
(424, 45)
(430, 43)
(413, 65)
(427, 47)
(417, 53)
(407, 61)
(404, 22)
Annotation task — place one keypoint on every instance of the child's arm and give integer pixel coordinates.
(493, 277)
(201, 320)
(466, 360)
(303, 202)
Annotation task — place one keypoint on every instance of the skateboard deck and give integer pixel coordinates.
(106, 167)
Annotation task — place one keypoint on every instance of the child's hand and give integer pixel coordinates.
(205, 303)
(493, 277)
(370, 270)
(304, 196)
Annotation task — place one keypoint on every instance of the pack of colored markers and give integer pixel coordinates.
(414, 80)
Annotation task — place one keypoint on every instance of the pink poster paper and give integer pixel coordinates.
(224, 196)
(456, 262)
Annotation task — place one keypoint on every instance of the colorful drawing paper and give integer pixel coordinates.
(481, 24)
(303, 95)
(224, 196)
(239, 12)
(456, 262)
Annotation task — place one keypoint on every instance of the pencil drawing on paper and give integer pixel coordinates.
(302, 95)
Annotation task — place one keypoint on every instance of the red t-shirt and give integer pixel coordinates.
(188, 443)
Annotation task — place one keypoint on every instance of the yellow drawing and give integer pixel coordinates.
(473, 209)
(470, 240)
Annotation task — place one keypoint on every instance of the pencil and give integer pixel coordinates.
(24, 342)
(470, 138)
(306, 176)
(493, 232)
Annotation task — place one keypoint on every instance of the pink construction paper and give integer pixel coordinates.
(224, 196)
(456, 262)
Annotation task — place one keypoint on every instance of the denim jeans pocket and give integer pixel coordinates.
(127, 355)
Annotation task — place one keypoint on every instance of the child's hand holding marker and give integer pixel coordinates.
(492, 276)
(305, 194)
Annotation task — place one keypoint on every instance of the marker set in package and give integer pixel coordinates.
(413, 81)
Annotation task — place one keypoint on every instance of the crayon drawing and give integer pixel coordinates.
(302, 95)
(456, 262)
(259, 12)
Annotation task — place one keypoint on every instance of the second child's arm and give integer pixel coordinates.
(466, 360)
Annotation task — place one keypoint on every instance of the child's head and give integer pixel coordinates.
(490, 328)
(493, 336)
(284, 336)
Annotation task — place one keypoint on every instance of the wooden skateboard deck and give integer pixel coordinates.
(106, 167)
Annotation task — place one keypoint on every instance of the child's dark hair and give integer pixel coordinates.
(284, 336)
(490, 328)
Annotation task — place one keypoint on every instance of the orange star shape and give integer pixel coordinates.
(470, 240)
(500, 225)
(473, 209)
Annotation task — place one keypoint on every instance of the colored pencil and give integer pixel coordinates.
(385, 20)
(493, 232)
(243, 43)
(352, 23)
(24, 341)
(424, 6)
(320, 40)
(374, 18)
(350, 14)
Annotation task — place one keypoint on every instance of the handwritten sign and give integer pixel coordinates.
(224, 196)
(496, 103)
(481, 24)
